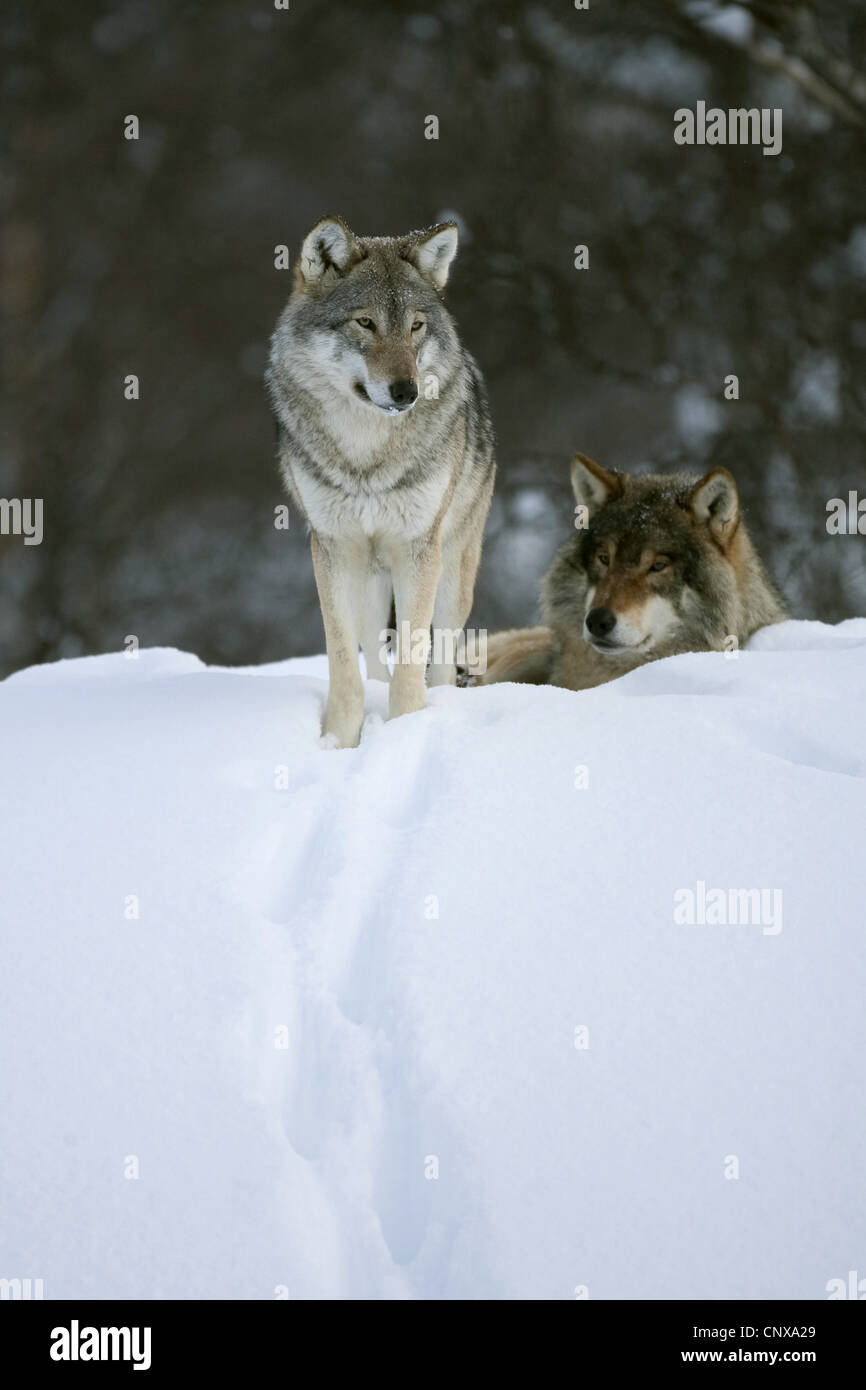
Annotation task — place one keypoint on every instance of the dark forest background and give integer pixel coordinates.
(156, 257)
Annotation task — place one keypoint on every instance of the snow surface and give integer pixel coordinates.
(412, 1039)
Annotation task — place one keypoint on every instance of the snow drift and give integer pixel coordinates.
(460, 1013)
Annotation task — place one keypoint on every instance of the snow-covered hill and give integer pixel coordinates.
(424, 1018)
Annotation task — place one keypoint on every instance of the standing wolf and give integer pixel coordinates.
(660, 564)
(385, 446)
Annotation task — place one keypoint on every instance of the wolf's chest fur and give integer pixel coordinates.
(356, 475)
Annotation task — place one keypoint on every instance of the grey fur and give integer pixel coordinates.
(393, 500)
(713, 595)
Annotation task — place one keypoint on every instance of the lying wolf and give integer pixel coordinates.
(660, 564)
(386, 448)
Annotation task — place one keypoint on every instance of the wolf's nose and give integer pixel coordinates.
(600, 621)
(403, 393)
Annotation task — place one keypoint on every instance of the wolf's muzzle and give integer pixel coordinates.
(600, 622)
(403, 394)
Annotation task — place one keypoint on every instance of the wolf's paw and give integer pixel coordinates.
(406, 699)
(342, 729)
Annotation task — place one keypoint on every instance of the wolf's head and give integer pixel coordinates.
(660, 564)
(366, 314)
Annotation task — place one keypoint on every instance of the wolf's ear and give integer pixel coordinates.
(433, 251)
(714, 503)
(329, 246)
(592, 484)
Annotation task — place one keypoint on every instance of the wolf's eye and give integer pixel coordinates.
(364, 322)
(603, 558)
(417, 325)
(658, 565)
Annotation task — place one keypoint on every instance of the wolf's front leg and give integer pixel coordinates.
(375, 614)
(415, 570)
(336, 568)
(460, 559)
